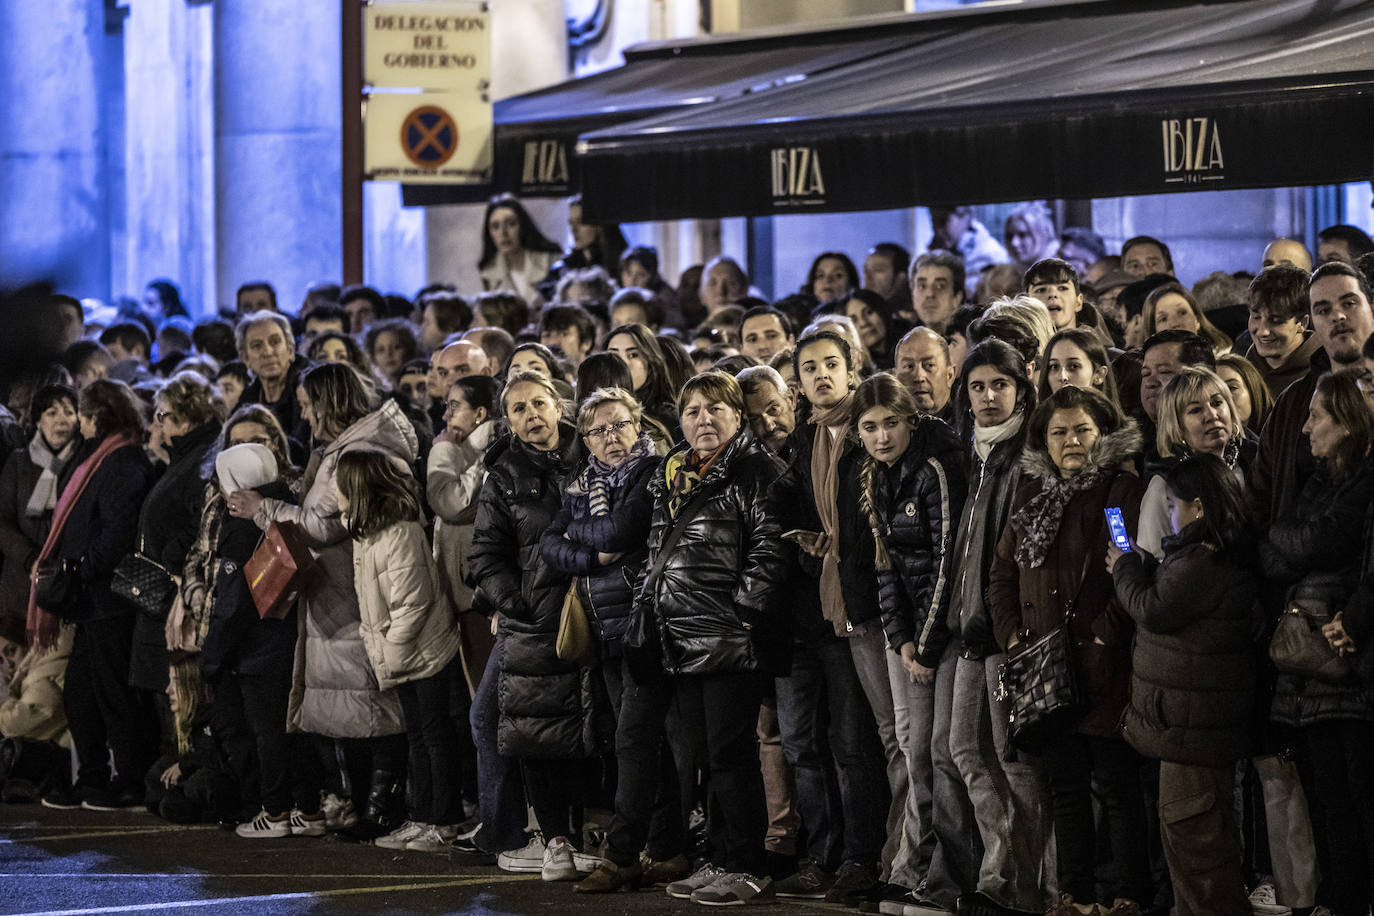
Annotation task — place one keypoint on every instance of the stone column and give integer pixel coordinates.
(277, 146)
(54, 221)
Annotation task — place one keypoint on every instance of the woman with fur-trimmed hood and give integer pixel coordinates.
(1050, 567)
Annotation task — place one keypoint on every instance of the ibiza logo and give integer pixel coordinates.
(546, 163)
(797, 175)
(1192, 150)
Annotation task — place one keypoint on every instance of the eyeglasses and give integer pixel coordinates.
(162, 416)
(610, 429)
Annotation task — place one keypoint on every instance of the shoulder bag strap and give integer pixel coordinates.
(670, 541)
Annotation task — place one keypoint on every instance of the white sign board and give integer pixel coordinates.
(427, 138)
(427, 45)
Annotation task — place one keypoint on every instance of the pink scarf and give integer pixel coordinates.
(42, 626)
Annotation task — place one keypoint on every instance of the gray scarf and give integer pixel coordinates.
(44, 496)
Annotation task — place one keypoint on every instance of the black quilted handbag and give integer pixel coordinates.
(1044, 688)
(144, 583)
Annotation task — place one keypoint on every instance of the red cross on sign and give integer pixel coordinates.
(429, 136)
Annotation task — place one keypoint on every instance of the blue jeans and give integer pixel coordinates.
(830, 739)
(500, 794)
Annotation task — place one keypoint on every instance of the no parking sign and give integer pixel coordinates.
(437, 128)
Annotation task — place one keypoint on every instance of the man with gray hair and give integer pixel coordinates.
(769, 405)
(268, 350)
(921, 362)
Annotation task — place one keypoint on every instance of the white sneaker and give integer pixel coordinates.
(432, 839)
(558, 861)
(1264, 901)
(527, 859)
(264, 827)
(403, 834)
(303, 824)
(586, 862)
(339, 813)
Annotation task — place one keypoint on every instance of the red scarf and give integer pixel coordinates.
(42, 626)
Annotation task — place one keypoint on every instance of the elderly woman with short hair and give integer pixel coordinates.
(717, 566)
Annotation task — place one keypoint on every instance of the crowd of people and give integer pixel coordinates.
(632, 584)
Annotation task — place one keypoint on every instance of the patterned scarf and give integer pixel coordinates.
(598, 479)
(1038, 520)
(44, 496)
(683, 471)
(825, 483)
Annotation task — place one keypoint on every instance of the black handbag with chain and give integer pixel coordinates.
(57, 586)
(144, 583)
(1045, 688)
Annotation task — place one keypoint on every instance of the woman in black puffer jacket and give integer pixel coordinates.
(187, 415)
(913, 490)
(1192, 676)
(716, 566)
(547, 705)
(599, 536)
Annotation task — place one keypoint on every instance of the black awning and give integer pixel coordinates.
(536, 133)
(1088, 101)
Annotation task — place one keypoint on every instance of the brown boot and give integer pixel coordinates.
(607, 878)
(663, 871)
(1068, 907)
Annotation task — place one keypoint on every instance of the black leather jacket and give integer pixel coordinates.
(718, 602)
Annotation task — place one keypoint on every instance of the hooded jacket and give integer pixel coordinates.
(33, 709)
(919, 501)
(718, 601)
(1192, 669)
(408, 627)
(1073, 579)
(334, 690)
(548, 706)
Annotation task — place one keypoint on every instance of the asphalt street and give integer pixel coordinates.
(89, 862)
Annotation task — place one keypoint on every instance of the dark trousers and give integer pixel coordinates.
(203, 794)
(649, 815)
(103, 711)
(1340, 754)
(434, 765)
(1198, 828)
(500, 795)
(288, 768)
(830, 739)
(554, 791)
(725, 710)
(1079, 767)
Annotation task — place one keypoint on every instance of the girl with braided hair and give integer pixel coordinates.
(912, 491)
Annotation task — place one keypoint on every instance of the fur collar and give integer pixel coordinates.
(1115, 449)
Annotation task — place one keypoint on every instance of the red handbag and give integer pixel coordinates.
(279, 570)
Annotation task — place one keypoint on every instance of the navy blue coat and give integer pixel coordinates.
(607, 592)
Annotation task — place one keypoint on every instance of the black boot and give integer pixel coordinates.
(385, 809)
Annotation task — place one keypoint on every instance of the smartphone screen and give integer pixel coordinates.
(1118, 528)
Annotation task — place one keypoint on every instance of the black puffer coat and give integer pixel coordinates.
(1192, 667)
(103, 526)
(718, 603)
(918, 503)
(549, 707)
(607, 592)
(1316, 546)
(167, 528)
(991, 485)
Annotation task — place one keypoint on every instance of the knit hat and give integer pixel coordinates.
(244, 467)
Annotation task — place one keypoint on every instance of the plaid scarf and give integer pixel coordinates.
(598, 479)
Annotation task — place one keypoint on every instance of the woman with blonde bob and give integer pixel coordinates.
(1172, 306)
(1196, 416)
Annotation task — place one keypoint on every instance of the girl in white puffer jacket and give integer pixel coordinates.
(410, 634)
